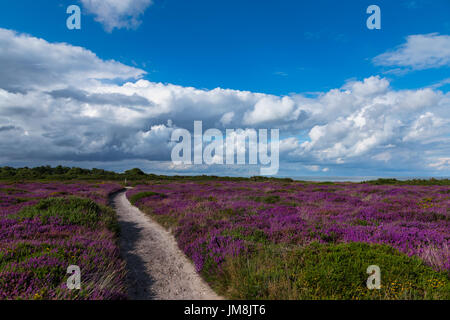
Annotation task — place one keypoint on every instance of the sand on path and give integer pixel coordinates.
(157, 268)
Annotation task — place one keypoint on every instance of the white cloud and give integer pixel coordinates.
(314, 168)
(117, 13)
(422, 51)
(441, 164)
(441, 83)
(271, 108)
(289, 144)
(426, 126)
(27, 62)
(384, 156)
(368, 87)
(379, 119)
(80, 118)
(227, 118)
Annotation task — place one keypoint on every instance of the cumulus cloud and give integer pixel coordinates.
(117, 99)
(422, 51)
(117, 13)
(363, 124)
(28, 63)
(227, 118)
(271, 108)
(380, 119)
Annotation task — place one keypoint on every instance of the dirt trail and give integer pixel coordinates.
(157, 268)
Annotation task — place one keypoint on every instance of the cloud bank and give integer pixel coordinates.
(55, 106)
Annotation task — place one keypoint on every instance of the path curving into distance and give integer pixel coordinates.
(157, 268)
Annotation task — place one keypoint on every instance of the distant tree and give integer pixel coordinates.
(135, 172)
(77, 171)
(60, 169)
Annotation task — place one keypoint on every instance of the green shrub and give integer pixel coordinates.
(268, 199)
(141, 195)
(330, 271)
(418, 182)
(71, 210)
(135, 171)
(254, 235)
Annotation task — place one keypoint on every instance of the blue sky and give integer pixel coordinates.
(301, 50)
(275, 47)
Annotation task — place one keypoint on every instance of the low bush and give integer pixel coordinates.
(71, 211)
(141, 195)
(330, 271)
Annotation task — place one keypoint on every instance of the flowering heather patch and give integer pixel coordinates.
(220, 221)
(45, 227)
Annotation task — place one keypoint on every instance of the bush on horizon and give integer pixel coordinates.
(136, 174)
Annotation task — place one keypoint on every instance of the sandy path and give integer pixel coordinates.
(157, 268)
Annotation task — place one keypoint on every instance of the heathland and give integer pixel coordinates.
(249, 238)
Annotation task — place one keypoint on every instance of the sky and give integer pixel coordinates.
(348, 101)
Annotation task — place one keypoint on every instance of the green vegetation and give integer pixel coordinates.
(328, 271)
(268, 199)
(61, 173)
(136, 175)
(47, 227)
(138, 196)
(255, 235)
(71, 211)
(416, 182)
